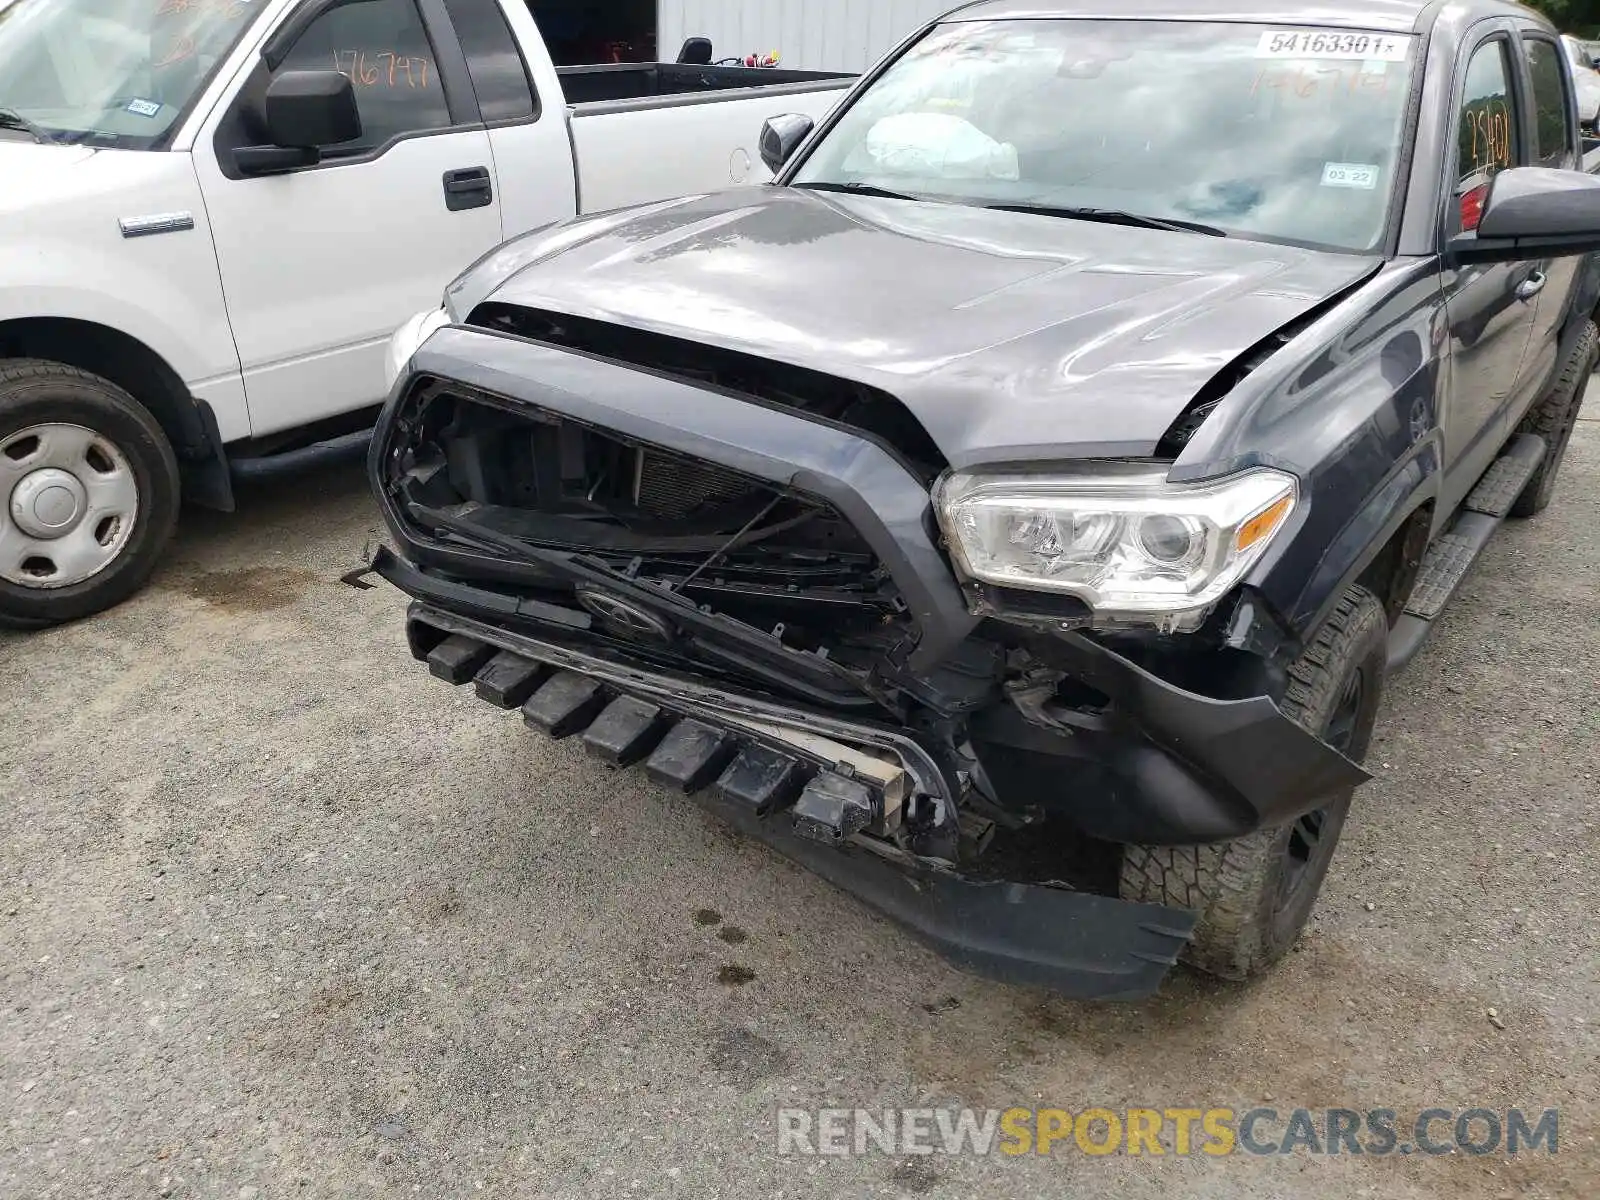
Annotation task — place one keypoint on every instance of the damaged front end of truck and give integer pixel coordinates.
(732, 575)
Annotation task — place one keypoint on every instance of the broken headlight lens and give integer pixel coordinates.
(1132, 546)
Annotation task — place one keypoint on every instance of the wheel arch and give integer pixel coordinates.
(189, 424)
(1392, 573)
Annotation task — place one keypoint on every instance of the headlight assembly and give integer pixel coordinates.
(1130, 545)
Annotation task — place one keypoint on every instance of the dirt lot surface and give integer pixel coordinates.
(282, 916)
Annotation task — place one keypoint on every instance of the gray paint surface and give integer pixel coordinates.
(1005, 334)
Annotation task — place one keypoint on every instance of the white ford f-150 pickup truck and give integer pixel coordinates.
(214, 213)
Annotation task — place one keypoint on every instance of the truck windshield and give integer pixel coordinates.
(1268, 133)
(110, 72)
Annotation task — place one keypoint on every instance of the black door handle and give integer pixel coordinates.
(468, 188)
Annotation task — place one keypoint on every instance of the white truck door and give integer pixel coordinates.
(320, 265)
(520, 97)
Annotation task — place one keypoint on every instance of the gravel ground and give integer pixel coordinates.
(281, 916)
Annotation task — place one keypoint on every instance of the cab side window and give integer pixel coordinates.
(1552, 122)
(1488, 140)
(499, 76)
(383, 49)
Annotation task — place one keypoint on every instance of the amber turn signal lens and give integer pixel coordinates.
(1262, 524)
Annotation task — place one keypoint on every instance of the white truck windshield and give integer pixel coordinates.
(1274, 133)
(110, 72)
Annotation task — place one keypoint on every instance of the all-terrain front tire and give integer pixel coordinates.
(1553, 418)
(1255, 894)
(88, 493)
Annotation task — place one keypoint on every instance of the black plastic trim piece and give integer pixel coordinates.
(205, 470)
(346, 448)
(226, 165)
(864, 482)
(413, 582)
(694, 697)
(1406, 638)
(1196, 769)
(1080, 945)
(468, 187)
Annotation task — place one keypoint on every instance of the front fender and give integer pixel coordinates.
(64, 254)
(1350, 407)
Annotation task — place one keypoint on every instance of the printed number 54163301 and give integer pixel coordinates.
(1313, 43)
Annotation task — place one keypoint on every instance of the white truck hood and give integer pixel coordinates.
(35, 173)
(78, 195)
(24, 165)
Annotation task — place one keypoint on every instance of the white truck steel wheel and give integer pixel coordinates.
(70, 505)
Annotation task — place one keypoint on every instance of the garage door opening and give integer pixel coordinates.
(597, 31)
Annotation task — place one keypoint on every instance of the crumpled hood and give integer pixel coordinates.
(1011, 337)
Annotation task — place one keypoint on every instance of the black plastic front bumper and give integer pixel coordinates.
(1081, 945)
(1160, 765)
(1171, 766)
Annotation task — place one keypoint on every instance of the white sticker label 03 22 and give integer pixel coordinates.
(1350, 175)
(1332, 43)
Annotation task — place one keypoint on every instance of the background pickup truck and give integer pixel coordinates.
(1015, 511)
(215, 213)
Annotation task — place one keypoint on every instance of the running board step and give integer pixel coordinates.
(1502, 483)
(1447, 562)
(1450, 558)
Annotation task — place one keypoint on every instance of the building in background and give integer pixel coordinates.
(810, 35)
(598, 31)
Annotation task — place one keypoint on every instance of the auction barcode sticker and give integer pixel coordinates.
(1332, 43)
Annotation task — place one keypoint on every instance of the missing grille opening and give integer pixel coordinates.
(771, 558)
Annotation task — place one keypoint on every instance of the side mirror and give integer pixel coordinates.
(303, 111)
(781, 137)
(1535, 212)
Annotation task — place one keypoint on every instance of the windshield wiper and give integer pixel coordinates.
(854, 189)
(10, 118)
(1113, 216)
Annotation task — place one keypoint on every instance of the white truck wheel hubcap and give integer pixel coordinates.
(70, 504)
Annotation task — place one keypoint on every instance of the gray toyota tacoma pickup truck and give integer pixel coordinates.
(1013, 512)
